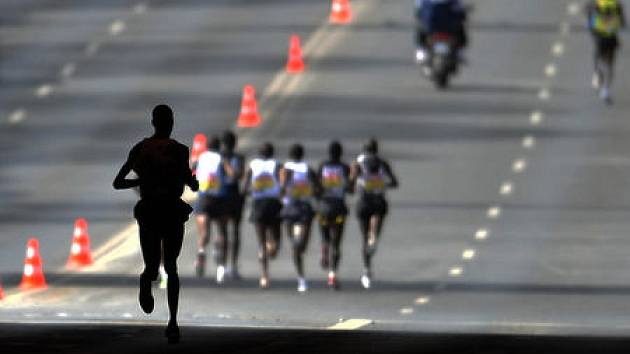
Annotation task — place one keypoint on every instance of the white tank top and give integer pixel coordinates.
(299, 187)
(264, 181)
(333, 181)
(209, 173)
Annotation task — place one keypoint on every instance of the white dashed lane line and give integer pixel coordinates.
(117, 27)
(43, 91)
(68, 70)
(469, 254)
(551, 70)
(557, 50)
(481, 234)
(507, 188)
(493, 212)
(406, 311)
(140, 8)
(536, 118)
(574, 9)
(529, 142)
(17, 116)
(422, 300)
(456, 271)
(519, 165)
(544, 94)
(92, 48)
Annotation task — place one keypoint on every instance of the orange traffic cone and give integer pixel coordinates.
(80, 254)
(340, 12)
(296, 62)
(33, 277)
(249, 117)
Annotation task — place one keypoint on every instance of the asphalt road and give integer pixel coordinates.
(511, 215)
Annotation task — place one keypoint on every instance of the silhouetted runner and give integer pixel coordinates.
(161, 165)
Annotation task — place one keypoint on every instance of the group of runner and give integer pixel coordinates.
(292, 193)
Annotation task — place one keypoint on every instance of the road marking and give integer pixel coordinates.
(573, 9)
(127, 315)
(519, 165)
(62, 314)
(481, 234)
(92, 49)
(17, 116)
(456, 271)
(551, 70)
(536, 118)
(117, 27)
(422, 300)
(506, 188)
(544, 94)
(68, 70)
(557, 49)
(529, 142)
(493, 212)
(406, 311)
(43, 90)
(353, 323)
(140, 8)
(469, 254)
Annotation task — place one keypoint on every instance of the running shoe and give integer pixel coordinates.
(596, 81)
(264, 282)
(145, 297)
(220, 274)
(172, 333)
(302, 285)
(332, 281)
(366, 281)
(200, 264)
(163, 278)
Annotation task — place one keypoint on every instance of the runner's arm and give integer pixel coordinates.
(393, 181)
(121, 181)
(246, 181)
(189, 178)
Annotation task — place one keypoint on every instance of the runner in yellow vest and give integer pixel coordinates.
(605, 20)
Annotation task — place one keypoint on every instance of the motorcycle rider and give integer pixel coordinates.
(605, 19)
(433, 16)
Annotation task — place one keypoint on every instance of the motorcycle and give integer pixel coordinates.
(440, 61)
